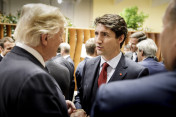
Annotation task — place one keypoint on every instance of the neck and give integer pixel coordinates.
(109, 57)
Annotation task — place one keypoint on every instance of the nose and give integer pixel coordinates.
(98, 39)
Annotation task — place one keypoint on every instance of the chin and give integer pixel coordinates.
(99, 53)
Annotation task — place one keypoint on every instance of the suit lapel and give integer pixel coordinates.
(120, 71)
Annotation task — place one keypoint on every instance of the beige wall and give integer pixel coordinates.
(156, 12)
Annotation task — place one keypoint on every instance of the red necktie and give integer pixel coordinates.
(103, 75)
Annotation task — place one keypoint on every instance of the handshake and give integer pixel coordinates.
(79, 113)
(73, 112)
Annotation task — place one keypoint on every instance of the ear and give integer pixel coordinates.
(121, 38)
(1, 49)
(44, 39)
(142, 52)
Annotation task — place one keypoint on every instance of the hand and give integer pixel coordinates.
(71, 107)
(79, 113)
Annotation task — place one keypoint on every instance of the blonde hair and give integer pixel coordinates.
(37, 19)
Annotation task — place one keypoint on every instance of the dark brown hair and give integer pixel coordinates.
(116, 23)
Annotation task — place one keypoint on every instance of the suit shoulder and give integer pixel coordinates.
(93, 60)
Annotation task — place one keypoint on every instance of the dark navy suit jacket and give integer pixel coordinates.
(26, 89)
(126, 69)
(149, 96)
(78, 72)
(153, 66)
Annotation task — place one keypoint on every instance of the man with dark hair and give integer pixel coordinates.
(6, 44)
(154, 95)
(134, 39)
(111, 65)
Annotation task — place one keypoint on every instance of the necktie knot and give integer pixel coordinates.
(105, 65)
(103, 75)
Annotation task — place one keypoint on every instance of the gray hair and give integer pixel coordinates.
(37, 19)
(65, 46)
(5, 39)
(90, 46)
(139, 35)
(148, 47)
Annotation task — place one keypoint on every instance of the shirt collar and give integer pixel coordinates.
(2, 55)
(35, 53)
(66, 56)
(89, 56)
(113, 62)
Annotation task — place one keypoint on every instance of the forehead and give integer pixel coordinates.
(8, 43)
(133, 40)
(102, 28)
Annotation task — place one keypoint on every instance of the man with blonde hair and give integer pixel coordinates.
(26, 88)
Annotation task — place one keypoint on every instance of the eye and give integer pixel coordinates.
(105, 34)
(96, 33)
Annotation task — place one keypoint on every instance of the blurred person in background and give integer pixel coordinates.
(134, 39)
(64, 49)
(90, 53)
(6, 44)
(146, 54)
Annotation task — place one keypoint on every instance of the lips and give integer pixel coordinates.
(99, 47)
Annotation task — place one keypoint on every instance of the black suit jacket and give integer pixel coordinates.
(26, 89)
(60, 60)
(61, 74)
(154, 95)
(78, 72)
(86, 95)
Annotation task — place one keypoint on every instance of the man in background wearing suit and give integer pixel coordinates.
(134, 39)
(64, 49)
(6, 44)
(154, 95)
(90, 53)
(26, 88)
(65, 52)
(110, 34)
(52, 65)
(61, 74)
(146, 56)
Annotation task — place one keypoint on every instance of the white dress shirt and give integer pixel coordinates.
(32, 51)
(112, 65)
